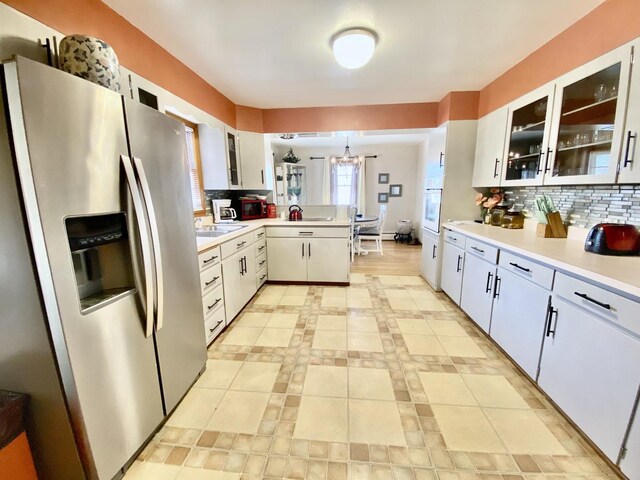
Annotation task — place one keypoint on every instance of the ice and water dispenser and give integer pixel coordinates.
(101, 256)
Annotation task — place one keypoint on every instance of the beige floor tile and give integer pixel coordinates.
(357, 302)
(329, 340)
(403, 304)
(219, 374)
(494, 391)
(267, 299)
(188, 473)
(422, 294)
(293, 300)
(274, 290)
(297, 290)
(196, 408)
(446, 388)
(414, 325)
(375, 421)
(283, 320)
(393, 293)
(362, 324)
(256, 377)
(412, 280)
(339, 292)
(322, 419)
(467, 429)
(325, 381)
(364, 341)
(332, 322)
(424, 345)
(390, 280)
(461, 347)
(239, 412)
(358, 292)
(358, 278)
(370, 384)
(333, 302)
(447, 328)
(151, 471)
(511, 426)
(275, 337)
(250, 319)
(429, 305)
(242, 336)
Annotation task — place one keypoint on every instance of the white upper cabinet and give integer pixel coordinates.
(436, 152)
(490, 148)
(234, 169)
(256, 160)
(588, 123)
(629, 166)
(213, 155)
(528, 130)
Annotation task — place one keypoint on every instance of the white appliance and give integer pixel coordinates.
(432, 204)
(222, 211)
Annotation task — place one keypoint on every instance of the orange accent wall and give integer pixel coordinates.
(362, 117)
(135, 50)
(611, 24)
(15, 460)
(249, 119)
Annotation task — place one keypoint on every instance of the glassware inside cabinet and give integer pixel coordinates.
(586, 124)
(526, 138)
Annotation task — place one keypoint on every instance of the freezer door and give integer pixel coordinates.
(157, 146)
(68, 136)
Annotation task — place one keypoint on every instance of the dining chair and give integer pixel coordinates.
(373, 233)
(353, 233)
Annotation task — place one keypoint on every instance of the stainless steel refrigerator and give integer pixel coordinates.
(98, 203)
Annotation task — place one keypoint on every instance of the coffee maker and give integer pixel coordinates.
(222, 211)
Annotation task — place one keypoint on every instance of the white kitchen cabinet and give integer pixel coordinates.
(630, 461)
(436, 152)
(518, 319)
(213, 156)
(255, 161)
(239, 280)
(286, 260)
(590, 369)
(328, 260)
(478, 282)
(452, 267)
(629, 167)
(492, 129)
(234, 168)
(430, 258)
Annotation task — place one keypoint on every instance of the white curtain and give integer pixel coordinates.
(361, 197)
(326, 181)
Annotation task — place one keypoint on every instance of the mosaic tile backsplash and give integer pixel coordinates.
(585, 205)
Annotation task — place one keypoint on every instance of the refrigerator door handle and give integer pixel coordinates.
(144, 241)
(155, 240)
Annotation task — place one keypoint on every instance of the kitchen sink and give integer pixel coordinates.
(217, 230)
(316, 219)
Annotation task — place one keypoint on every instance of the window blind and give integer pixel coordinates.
(194, 177)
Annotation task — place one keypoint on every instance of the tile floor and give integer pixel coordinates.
(384, 379)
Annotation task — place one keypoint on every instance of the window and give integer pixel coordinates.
(344, 183)
(195, 168)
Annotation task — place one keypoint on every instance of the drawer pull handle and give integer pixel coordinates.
(453, 239)
(209, 307)
(593, 300)
(213, 329)
(262, 262)
(210, 259)
(261, 248)
(519, 267)
(262, 277)
(212, 280)
(477, 249)
(305, 233)
(241, 244)
(260, 235)
(488, 287)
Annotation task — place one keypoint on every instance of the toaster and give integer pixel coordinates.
(613, 239)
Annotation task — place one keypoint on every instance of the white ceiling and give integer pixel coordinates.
(356, 139)
(277, 54)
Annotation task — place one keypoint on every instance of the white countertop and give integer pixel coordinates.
(205, 243)
(618, 273)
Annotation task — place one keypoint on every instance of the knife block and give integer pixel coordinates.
(544, 230)
(554, 221)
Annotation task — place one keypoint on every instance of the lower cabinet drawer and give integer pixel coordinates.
(455, 238)
(212, 300)
(525, 268)
(214, 323)
(261, 277)
(209, 258)
(260, 247)
(261, 261)
(211, 278)
(482, 250)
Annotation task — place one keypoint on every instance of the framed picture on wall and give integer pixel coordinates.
(395, 190)
(383, 197)
(383, 178)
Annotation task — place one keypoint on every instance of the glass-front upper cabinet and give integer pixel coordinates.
(588, 123)
(528, 138)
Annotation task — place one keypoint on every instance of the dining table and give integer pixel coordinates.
(359, 221)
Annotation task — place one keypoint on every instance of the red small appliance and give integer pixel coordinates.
(272, 211)
(252, 209)
(613, 239)
(295, 213)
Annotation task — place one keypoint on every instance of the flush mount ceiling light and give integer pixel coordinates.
(353, 48)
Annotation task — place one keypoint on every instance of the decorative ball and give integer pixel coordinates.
(90, 58)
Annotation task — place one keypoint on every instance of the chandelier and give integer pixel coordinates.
(348, 159)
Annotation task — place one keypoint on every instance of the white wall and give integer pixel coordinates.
(315, 169)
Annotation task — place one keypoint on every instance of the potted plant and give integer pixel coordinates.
(486, 202)
(290, 157)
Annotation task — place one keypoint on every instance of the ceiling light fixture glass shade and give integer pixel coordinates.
(353, 48)
(348, 159)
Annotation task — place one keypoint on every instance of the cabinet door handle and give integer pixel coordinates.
(496, 287)
(477, 249)
(241, 267)
(495, 168)
(547, 167)
(519, 267)
(628, 148)
(488, 287)
(244, 259)
(309, 249)
(209, 307)
(593, 300)
(262, 176)
(550, 313)
(458, 265)
(210, 259)
(433, 254)
(441, 159)
(539, 166)
(302, 250)
(212, 281)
